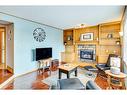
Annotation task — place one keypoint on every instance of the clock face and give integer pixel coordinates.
(39, 34)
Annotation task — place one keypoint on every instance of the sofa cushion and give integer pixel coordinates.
(72, 83)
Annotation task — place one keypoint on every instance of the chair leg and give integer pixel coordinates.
(99, 74)
(50, 69)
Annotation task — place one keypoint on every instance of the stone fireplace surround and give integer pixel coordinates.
(86, 52)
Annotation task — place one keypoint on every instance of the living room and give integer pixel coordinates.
(71, 49)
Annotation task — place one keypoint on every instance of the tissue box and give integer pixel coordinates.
(115, 70)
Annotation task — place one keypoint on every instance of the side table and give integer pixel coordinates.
(120, 77)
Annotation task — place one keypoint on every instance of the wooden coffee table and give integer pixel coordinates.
(68, 69)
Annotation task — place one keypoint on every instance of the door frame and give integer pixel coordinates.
(5, 67)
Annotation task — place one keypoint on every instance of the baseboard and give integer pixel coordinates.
(6, 82)
(19, 75)
(15, 76)
(9, 69)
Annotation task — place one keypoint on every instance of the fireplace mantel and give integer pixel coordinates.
(87, 42)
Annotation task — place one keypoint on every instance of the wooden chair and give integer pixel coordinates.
(44, 64)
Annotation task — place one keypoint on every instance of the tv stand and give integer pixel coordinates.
(43, 64)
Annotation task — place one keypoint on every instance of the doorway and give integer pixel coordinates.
(6, 50)
(2, 48)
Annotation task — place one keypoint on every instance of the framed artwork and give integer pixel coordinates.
(39, 34)
(86, 37)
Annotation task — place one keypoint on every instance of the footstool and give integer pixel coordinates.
(90, 70)
(71, 83)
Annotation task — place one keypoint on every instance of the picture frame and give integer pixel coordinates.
(86, 37)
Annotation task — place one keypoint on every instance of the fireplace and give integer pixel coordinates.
(87, 53)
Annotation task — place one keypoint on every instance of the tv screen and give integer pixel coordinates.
(43, 53)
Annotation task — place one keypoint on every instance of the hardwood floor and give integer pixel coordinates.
(101, 82)
(34, 81)
(30, 81)
(4, 75)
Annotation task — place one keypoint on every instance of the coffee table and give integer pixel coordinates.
(68, 69)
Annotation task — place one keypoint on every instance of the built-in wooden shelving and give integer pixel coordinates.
(105, 36)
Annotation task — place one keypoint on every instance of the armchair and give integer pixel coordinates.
(104, 66)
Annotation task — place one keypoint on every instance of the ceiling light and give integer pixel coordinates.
(80, 25)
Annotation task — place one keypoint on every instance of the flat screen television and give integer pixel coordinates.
(43, 53)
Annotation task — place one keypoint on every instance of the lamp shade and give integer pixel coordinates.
(121, 33)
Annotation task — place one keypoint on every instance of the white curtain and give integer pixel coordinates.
(125, 38)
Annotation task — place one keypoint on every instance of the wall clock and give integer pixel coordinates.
(39, 34)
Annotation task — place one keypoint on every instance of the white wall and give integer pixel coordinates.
(24, 43)
(10, 45)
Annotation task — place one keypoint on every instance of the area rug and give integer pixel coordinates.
(82, 76)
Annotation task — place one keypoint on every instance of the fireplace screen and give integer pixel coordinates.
(86, 54)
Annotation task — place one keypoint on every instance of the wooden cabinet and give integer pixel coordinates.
(105, 36)
(68, 37)
(84, 43)
(109, 33)
(80, 31)
(69, 55)
(109, 40)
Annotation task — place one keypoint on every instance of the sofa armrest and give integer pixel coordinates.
(106, 68)
(91, 85)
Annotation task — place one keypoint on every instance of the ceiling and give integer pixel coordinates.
(64, 17)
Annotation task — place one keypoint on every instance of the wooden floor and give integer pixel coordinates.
(4, 75)
(101, 82)
(30, 81)
(34, 81)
